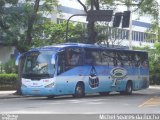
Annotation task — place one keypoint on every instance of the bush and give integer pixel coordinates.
(10, 67)
(154, 78)
(8, 81)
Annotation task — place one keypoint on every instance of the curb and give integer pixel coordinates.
(10, 96)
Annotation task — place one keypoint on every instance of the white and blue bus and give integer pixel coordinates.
(78, 69)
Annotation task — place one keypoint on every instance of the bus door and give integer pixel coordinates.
(68, 69)
(61, 84)
(73, 68)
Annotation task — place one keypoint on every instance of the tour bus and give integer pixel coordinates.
(78, 69)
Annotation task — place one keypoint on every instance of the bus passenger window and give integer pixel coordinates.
(72, 57)
(92, 57)
(143, 60)
(61, 63)
(137, 60)
(96, 57)
(111, 59)
(88, 57)
(115, 59)
(105, 58)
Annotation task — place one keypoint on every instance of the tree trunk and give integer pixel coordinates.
(19, 83)
(31, 22)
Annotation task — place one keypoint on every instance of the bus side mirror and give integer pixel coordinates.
(53, 59)
(17, 60)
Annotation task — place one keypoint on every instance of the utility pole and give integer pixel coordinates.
(68, 24)
(91, 28)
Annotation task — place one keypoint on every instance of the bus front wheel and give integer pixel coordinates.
(79, 91)
(50, 96)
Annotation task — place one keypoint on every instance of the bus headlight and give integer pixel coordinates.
(50, 85)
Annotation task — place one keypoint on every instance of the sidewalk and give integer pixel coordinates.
(10, 94)
(154, 87)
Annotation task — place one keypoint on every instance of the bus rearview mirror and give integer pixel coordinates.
(17, 60)
(53, 59)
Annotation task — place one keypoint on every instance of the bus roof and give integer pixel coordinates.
(59, 47)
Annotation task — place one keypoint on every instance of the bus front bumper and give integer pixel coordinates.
(38, 91)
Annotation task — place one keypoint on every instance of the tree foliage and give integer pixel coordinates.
(154, 62)
(18, 20)
(56, 33)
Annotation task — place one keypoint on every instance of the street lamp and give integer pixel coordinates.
(68, 23)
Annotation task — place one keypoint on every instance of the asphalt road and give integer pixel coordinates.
(144, 101)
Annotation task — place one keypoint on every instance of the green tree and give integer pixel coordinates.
(18, 21)
(56, 33)
(154, 62)
(3, 23)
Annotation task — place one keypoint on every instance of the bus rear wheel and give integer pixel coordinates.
(128, 90)
(79, 91)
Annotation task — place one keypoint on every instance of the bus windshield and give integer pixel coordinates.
(38, 65)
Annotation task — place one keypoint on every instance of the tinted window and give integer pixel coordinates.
(92, 56)
(73, 56)
(109, 57)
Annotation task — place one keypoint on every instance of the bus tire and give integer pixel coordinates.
(50, 96)
(79, 91)
(104, 93)
(129, 88)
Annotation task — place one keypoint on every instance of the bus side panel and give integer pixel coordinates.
(67, 81)
(102, 81)
(98, 79)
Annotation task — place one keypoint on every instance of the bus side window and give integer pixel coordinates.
(61, 63)
(108, 58)
(137, 60)
(97, 57)
(93, 57)
(115, 58)
(111, 58)
(105, 58)
(125, 59)
(128, 58)
(89, 60)
(143, 60)
(73, 56)
(120, 60)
